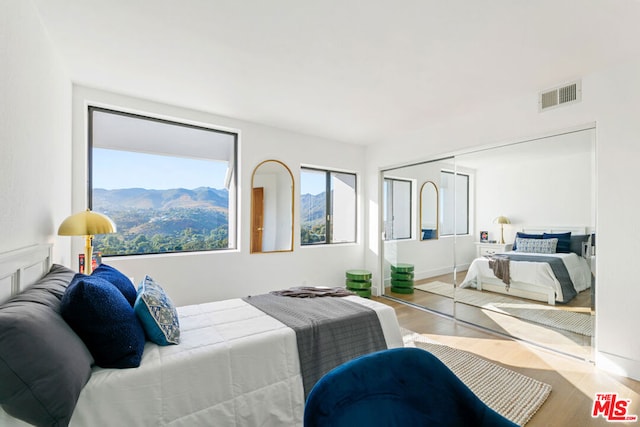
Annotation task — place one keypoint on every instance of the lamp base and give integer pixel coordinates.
(88, 255)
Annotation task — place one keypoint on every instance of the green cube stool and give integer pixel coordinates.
(402, 268)
(402, 278)
(359, 281)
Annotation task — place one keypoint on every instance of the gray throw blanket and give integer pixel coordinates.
(558, 268)
(329, 331)
(500, 266)
(313, 291)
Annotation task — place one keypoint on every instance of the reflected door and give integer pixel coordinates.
(257, 218)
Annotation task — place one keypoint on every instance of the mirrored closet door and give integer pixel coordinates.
(418, 238)
(540, 194)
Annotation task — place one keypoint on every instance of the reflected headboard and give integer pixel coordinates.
(22, 267)
(554, 229)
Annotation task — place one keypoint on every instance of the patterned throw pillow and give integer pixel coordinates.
(157, 313)
(537, 246)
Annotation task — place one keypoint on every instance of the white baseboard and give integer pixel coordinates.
(618, 365)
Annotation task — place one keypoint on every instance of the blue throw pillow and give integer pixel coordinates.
(564, 241)
(157, 313)
(117, 279)
(105, 321)
(522, 235)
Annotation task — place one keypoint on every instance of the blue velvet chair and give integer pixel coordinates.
(397, 387)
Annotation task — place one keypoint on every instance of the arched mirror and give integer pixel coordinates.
(429, 211)
(271, 208)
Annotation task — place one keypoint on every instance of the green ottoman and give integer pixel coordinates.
(359, 282)
(402, 278)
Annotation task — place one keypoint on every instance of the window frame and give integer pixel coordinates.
(409, 210)
(232, 179)
(329, 215)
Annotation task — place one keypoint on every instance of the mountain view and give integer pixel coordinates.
(156, 221)
(312, 218)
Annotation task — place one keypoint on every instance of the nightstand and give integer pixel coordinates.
(485, 248)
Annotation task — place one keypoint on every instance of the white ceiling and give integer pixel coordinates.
(351, 70)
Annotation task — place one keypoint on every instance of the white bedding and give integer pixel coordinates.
(235, 366)
(535, 272)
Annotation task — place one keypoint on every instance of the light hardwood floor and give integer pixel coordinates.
(574, 382)
(560, 340)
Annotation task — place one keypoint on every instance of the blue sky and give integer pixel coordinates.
(114, 169)
(312, 182)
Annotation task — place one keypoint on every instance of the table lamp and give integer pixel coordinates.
(502, 220)
(86, 223)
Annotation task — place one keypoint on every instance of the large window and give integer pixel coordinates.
(327, 207)
(454, 203)
(169, 187)
(397, 208)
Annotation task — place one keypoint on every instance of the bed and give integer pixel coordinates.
(533, 275)
(235, 364)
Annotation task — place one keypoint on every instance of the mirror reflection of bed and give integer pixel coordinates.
(543, 184)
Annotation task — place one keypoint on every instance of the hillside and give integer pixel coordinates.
(153, 221)
(140, 198)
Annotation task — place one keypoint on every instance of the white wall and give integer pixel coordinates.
(35, 133)
(535, 189)
(611, 98)
(195, 278)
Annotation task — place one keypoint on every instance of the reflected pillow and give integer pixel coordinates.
(522, 235)
(157, 313)
(537, 246)
(576, 243)
(564, 241)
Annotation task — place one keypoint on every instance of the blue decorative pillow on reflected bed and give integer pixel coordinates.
(98, 312)
(157, 313)
(564, 241)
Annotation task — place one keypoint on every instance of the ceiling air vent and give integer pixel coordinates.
(558, 96)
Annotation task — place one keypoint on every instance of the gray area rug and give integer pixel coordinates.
(544, 314)
(511, 394)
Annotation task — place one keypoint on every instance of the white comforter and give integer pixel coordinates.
(535, 272)
(235, 366)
